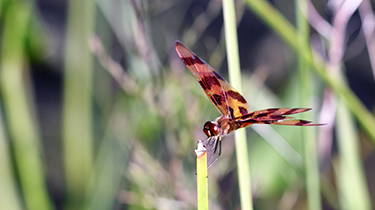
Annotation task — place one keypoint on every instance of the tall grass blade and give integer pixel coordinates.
(235, 80)
(308, 134)
(9, 195)
(352, 187)
(77, 107)
(22, 128)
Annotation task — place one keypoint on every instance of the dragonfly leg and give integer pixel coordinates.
(216, 145)
(219, 148)
(215, 153)
(213, 147)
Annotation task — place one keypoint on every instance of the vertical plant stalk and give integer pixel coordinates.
(202, 178)
(242, 153)
(77, 109)
(351, 182)
(9, 195)
(308, 133)
(22, 128)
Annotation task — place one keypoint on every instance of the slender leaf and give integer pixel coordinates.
(308, 133)
(22, 127)
(235, 80)
(77, 110)
(352, 186)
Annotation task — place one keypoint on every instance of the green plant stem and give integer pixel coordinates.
(242, 153)
(202, 178)
(308, 133)
(9, 197)
(351, 182)
(77, 109)
(289, 34)
(23, 130)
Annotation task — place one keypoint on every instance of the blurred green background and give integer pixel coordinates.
(97, 111)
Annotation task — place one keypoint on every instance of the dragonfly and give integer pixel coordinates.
(233, 107)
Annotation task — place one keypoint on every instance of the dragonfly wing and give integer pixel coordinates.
(274, 116)
(223, 96)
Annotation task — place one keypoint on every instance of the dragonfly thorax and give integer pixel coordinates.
(211, 128)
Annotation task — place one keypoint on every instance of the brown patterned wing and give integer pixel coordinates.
(274, 116)
(222, 95)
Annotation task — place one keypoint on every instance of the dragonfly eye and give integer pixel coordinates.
(210, 129)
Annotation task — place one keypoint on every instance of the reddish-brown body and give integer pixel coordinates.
(226, 126)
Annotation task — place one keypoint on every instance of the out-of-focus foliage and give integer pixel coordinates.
(143, 111)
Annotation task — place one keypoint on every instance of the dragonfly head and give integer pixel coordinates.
(211, 128)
